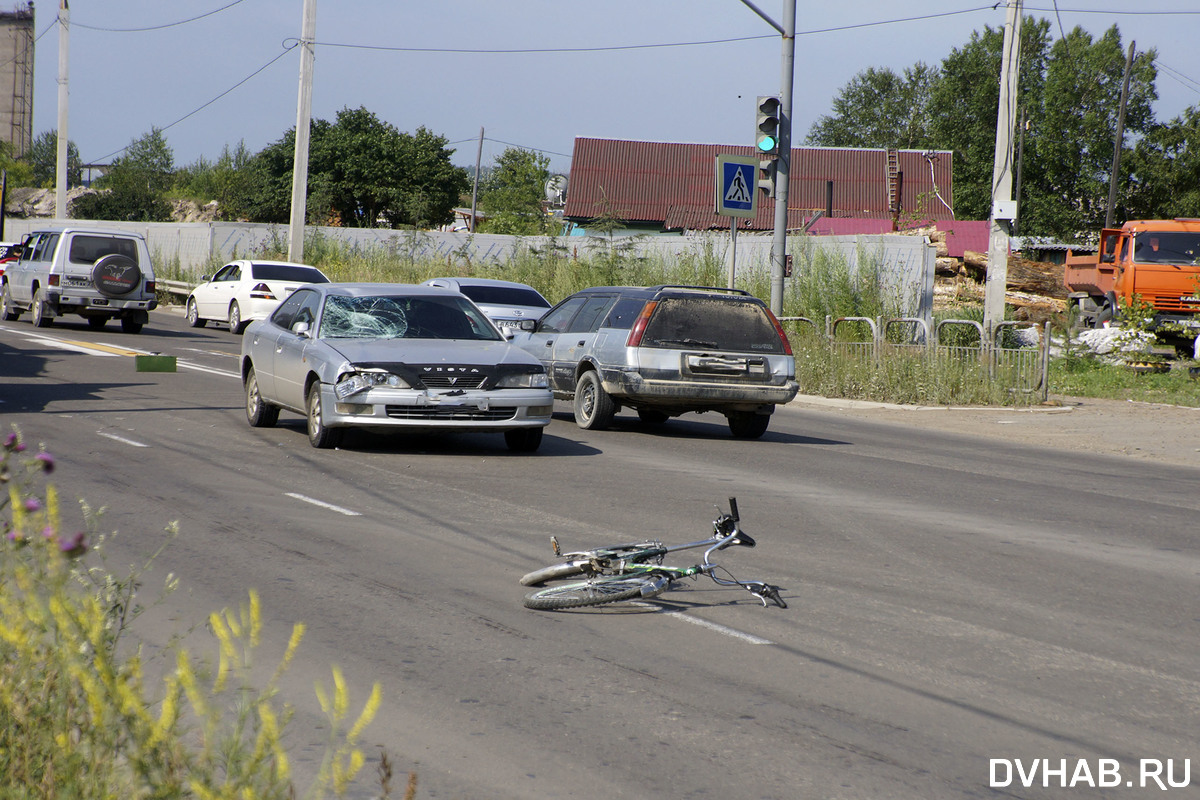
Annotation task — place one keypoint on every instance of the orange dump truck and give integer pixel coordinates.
(1157, 259)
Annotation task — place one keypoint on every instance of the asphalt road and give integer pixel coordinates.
(963, 609)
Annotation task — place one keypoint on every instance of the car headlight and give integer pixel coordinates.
(351, 383)
(526, 380)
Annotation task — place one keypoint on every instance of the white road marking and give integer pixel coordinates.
(323, 504)
(121, 439)
(749, 638)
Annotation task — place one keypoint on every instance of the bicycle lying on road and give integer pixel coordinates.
(636, 571)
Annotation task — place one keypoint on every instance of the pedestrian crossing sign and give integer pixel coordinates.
(736, 183)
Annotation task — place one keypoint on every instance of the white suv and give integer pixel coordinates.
(98, 274)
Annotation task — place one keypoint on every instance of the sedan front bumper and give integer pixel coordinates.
(495, 410)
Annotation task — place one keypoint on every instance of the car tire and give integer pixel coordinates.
(236, 325)
(193, 314)
(97, 322)
(10, 311)
(131, 325)
(43, 317)
(259, 413)
(116, 275)
(320, 435)
(747, 424)
(594, 407)
(523, 440)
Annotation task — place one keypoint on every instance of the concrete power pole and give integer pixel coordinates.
(60, 164)
(1003, 208)
(303, 116)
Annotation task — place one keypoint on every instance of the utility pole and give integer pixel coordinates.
(783, 164)
(1116, 167)
(1003, 208)
(308, 33)
(60, 164)
(475, 188)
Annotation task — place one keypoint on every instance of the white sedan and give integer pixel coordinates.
(246, 290)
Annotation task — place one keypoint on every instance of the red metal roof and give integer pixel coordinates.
(672, 184)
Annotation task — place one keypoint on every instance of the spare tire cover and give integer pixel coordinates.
(116, 275)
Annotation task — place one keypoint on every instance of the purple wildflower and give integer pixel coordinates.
(47, 461)
(74, 545)
(32, 505)
(11, 441)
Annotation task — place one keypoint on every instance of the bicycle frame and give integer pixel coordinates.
(634, 562)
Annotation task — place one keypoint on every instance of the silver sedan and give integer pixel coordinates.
(391, 356)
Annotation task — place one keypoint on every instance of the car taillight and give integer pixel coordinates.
(53, 279)
(262, 292)
(639, 326)
(787, 346)
(150, 287)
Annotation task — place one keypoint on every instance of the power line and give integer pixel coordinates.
(287, 49)
(157, 27)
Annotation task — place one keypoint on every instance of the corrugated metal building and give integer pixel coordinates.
(668, 187)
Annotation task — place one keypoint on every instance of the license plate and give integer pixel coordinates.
(99, 301)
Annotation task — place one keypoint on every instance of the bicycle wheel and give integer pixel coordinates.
(595, 592)
(553, 572)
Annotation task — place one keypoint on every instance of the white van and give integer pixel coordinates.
(98, 274)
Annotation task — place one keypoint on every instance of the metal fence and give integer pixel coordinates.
(1017, 355)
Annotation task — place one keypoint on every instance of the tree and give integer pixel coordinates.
(42, 159)
(362, 172)
(964, 104)
(233, 181)
(1164, 169)
(879, 108)
(513, 192)
(1079, 121)
(135, 185)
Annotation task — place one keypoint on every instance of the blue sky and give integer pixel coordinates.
(531, 73)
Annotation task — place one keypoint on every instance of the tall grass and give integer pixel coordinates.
(79, 718)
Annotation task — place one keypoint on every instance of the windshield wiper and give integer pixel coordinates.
(688, 342)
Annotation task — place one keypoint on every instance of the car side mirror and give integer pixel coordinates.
(205, 278)
(528, 324)
(301, 329)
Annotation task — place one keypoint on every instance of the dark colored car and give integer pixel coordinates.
(665, 351)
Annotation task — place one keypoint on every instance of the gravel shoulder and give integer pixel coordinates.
(1164, 433)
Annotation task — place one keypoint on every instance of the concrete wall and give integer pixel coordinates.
(907, 260)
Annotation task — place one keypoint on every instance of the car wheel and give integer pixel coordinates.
(193, 314)
(594, 408)
(43, 317)
(747, 424)
(259, 413)
(319, 434)
(11, 312)
(131, 325)
(97, 322)
(235, 318)
(652, 416)
(523, 440)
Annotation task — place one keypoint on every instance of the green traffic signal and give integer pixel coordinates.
(766, 136)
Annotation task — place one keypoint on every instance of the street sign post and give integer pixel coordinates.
(736, 182)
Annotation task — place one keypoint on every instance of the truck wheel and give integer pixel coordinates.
(116, 275)
(747, 424)
(11, 312)
(43, 316)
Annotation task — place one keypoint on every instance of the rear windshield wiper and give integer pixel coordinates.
(688, 342)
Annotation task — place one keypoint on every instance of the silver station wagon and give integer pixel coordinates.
(665, 351)
(391, 356)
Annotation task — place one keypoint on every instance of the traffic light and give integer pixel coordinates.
(766, 134)
(766, 175)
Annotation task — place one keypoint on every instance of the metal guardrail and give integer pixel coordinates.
(180, 288)
(1021, 369)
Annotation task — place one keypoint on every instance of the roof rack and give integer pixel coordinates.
(700, 289)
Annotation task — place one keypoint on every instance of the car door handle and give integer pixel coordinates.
(581, 343)
(549, 343)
